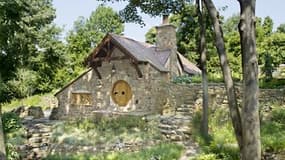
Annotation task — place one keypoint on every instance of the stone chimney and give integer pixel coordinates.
(166, 39)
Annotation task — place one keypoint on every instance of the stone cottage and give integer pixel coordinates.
(125, 77)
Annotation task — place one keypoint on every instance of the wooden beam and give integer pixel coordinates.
(137, 69)
(97, 72)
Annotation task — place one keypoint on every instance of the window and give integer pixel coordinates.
(81, 98)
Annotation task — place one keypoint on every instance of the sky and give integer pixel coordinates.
(67, 11)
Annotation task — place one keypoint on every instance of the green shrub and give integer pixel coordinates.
(86, 125)
(11, 122)
(278, 115)
(12, 153)
(224, 150)
(14, 134)
(273, 131)
(184, 79)
(273, 83)
(272, 137)
(222, 143)
(205, 157)
(196, 79)
(35, 100)
(115, 124)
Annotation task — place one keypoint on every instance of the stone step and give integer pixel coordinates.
(167, 132)
(188, 101)
(185, 130)
(183, 114)
(176, 137)
(167, 127)
(39, 130)
(180, 109)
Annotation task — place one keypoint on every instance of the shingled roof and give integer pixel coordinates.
(143, 52)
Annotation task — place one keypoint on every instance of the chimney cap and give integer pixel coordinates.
(165, 19)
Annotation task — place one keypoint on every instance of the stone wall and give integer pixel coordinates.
(184, 100)
(192, 95)
(174, 121)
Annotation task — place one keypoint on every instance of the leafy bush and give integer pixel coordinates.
(196, 79)
(278, 115)
(272, 137)
(14, 134)
(205, 157)
(222, 143)
(24, 84)
(224, 150)
(11, 122)
(12, 153)
(273, 83)
(36, 100)
(120, 122)
(273, 131)
(184, 79)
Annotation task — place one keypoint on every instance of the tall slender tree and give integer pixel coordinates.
(203, 57)
(248, 124)
(250, 115)
(229, 84)
(2, 140)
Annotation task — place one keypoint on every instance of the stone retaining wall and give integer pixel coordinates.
(182, 101)
(192, 95)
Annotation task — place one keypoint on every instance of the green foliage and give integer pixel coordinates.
(184, 79)
(273, 83)
(150, 36)
(272, 137)
(154, 8)
(36, 100)
(166, 151)
(222, 139)
(13, 139)
(24, 83)
(223, 144)
(278, 116)
(85, 36)
(30, 51)
(205, 157)
(5, 93)
(11, 122)
(115, 124)
(12, 153)
(281, 28)
(273, 131)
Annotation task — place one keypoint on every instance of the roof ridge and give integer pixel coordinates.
(128, 38)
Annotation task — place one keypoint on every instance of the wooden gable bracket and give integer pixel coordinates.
(94, 65)
(135, 64)
(106, 39)
(109, 51)
(97, 72)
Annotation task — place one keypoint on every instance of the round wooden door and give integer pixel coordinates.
(121, 93)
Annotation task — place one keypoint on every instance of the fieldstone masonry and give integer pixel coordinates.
(174, 120)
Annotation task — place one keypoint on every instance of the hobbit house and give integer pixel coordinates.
(125, 77)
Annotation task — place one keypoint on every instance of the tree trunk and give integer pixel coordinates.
(202, 52)
(229, 85)
(250, 114)
(2, 142)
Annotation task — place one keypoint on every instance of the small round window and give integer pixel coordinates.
(121, 93)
